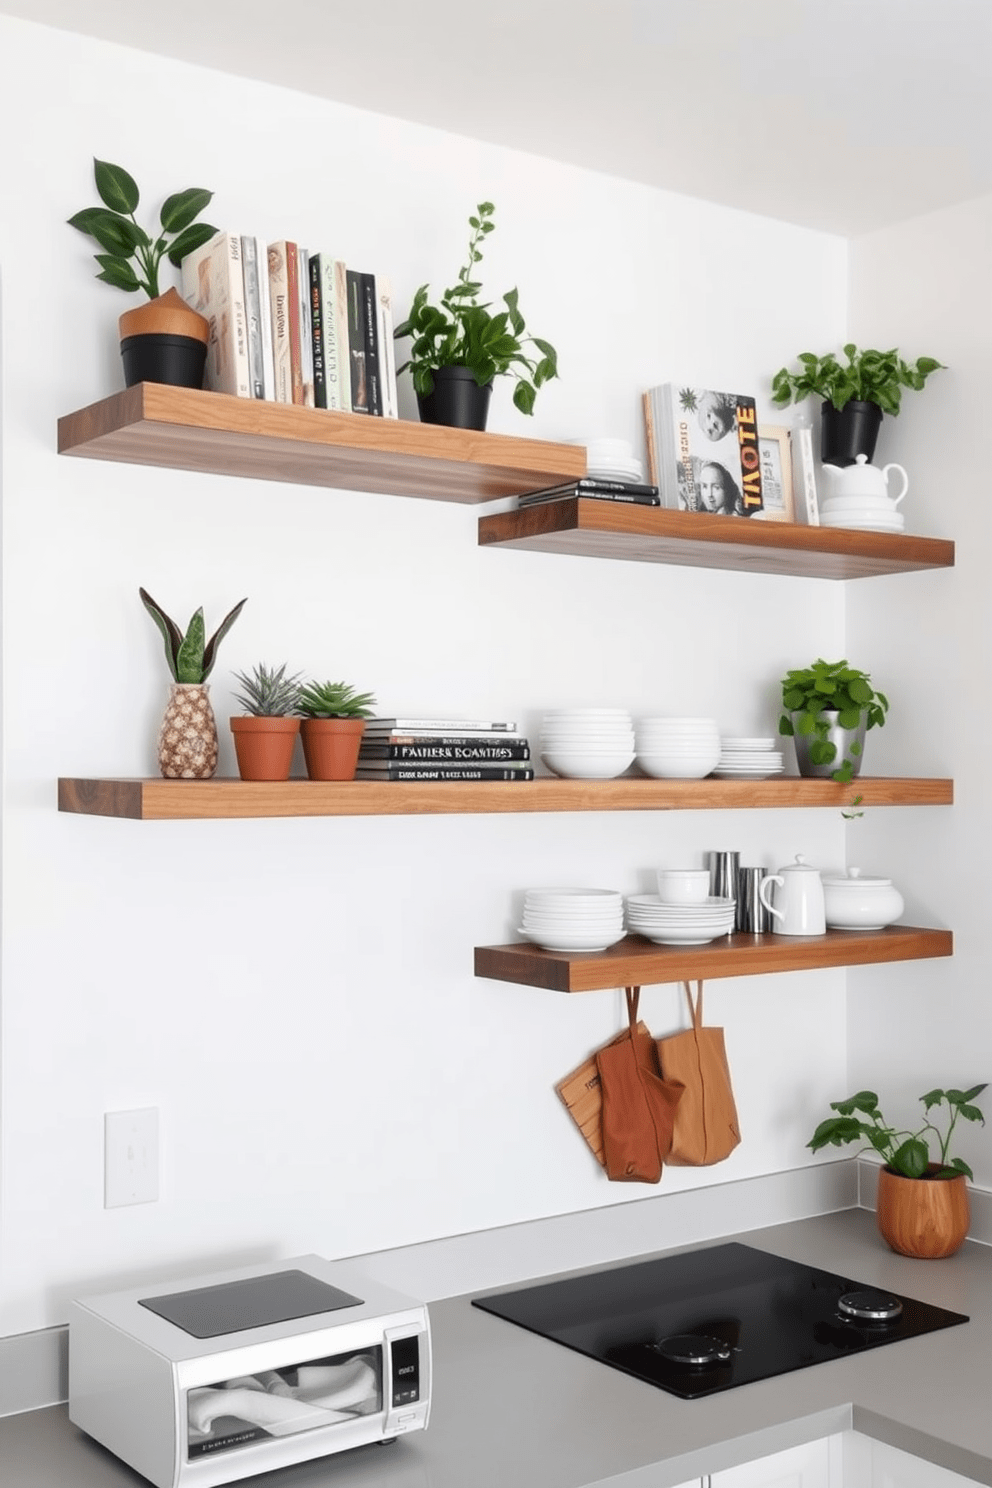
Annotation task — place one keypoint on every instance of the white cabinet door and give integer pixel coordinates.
(813, 1465)
(873, 1464)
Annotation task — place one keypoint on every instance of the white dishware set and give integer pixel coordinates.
(805, 903)
(858, 496)
(587, 743)
(573, 919)
(748, 759)
(677, 748)
(613, 459)
(680, 921)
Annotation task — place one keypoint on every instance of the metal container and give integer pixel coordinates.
(753, 916)
(841, 738)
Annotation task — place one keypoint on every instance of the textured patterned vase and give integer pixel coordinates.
(187, 740)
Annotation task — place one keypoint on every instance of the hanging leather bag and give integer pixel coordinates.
(706, 1127)
(639, 1106)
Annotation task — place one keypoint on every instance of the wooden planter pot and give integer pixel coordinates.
(923, 1217)
(264, 746)
(330, 747)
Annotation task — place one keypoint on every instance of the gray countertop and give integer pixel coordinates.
(512, 1410)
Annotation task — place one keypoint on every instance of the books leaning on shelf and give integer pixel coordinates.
(703, 449)
(596, 489)
(395, 771)
(213, 283)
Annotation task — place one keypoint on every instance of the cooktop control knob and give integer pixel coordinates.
(869, 1306)
(695, 1349)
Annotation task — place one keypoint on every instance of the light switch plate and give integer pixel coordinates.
(130, 1157)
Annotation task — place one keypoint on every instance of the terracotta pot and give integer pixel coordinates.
(187, 740)
(924, 1217)
(264, 746)
(330, 747)
(164, 340)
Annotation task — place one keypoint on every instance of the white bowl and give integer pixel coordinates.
(683, 885)
(588, 766)
(573, 896)
(664, 767)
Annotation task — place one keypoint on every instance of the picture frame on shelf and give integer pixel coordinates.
(775, 453)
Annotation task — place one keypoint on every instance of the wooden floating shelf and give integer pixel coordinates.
(646, 534)
(636, 962)
(155, 799)
(183, 429)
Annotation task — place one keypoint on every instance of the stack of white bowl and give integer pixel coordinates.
(573, 919)
(748, 759)
(587, 743)
(677, 748)
(683, 912)
(613, 459)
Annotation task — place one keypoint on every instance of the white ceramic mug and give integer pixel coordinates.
(798, 907)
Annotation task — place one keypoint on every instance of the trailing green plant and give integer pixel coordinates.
(131, 257)
(858, 1119)
(869, 376)
(830, 687)
(334, 700)
(459, 332)
(190, 656)
(267, 692)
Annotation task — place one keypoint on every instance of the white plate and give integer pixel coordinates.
(653, 901)
(552, 942)
(747, 774)
(673, 939)
(730, 742)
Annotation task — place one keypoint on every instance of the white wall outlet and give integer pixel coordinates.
(130, 1157)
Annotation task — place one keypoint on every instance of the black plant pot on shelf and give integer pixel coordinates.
(176, 360)
(848, 432)
(457, 400)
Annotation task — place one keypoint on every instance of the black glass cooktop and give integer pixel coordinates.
(713, 1319)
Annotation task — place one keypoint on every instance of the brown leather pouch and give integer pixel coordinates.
(639, 1106)
(706, 1127)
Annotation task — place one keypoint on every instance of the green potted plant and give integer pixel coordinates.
(922, 1205)
(855, 395)
(334, 717)
(458, 346)
(187, 740)
(265, 735)
(164, 340)
(829, 706)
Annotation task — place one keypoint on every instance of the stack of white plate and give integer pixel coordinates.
(587, 743)
(748, 759)
(613, 459)
(679, 924)
(573, 919)
(677, 748)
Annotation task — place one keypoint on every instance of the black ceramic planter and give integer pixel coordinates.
(457, 400)
(848, 432)
(176, 360)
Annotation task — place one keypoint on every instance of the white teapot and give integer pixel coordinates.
(864, 486)
(798, 907)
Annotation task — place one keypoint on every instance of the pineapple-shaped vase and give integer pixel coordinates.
(187, 740)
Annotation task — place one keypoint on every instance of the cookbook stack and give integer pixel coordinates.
(443, 749)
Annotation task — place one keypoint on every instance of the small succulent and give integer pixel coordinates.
(191, 657)
(268, 692)
(334, 700)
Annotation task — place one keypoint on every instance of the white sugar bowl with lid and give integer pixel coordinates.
(860, 901)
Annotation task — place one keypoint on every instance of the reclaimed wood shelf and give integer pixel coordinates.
(647, 534)
(183, 429)
(155, 799)
(636, 962)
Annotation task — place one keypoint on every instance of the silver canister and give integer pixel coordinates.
(723, 868)
(752, 916)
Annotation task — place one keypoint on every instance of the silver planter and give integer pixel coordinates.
(841, 737)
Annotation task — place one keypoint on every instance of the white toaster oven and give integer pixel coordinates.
(249, 1370)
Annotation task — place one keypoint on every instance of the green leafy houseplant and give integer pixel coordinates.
(190, 656)
(818, 692)
(907, 1153)
(131, 256)
(869, 377)
(461, 332)
(267, 692)
(334, 700)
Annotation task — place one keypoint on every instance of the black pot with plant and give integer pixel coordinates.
(829, 706)
(164, 340)
(459, 347)
(855, 396)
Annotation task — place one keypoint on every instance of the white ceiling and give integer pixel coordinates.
(843, 115)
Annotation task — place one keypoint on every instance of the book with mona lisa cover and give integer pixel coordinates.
(703, 449)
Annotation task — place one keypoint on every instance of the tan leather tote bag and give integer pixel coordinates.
(706, 1127)
(638, 1105)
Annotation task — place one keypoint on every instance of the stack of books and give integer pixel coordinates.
(703, 449)
(596, 488)
(443, 749)
(293, 326)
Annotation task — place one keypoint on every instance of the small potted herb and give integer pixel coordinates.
(164, 340)
(459, 347)
(922, 1205)
(187, 741)
(855, 395)
(334, 717)
(829, 706)
(265, 735)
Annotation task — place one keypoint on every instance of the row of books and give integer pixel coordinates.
(293, 326)
(442, 749)
(596, 488)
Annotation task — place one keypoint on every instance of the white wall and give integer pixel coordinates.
(919, 286)
(297, 997)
